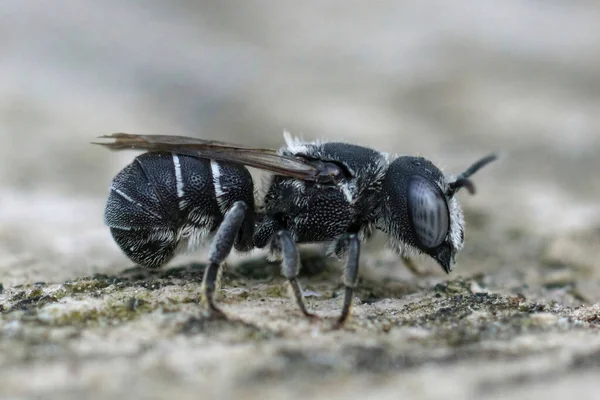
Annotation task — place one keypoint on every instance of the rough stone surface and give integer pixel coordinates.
(487, 334)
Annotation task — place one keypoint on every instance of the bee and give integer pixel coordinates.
(183, 192)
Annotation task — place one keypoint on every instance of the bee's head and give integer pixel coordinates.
(419, 210)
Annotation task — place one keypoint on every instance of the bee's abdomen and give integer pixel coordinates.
(158, 200)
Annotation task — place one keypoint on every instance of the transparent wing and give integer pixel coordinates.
(265, 159)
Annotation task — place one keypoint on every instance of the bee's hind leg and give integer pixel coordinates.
(220, 249)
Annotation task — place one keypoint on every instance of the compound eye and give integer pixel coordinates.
(428, 211)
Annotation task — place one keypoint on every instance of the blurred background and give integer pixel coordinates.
(448, 80)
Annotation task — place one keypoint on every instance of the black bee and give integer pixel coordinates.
(184, 191)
